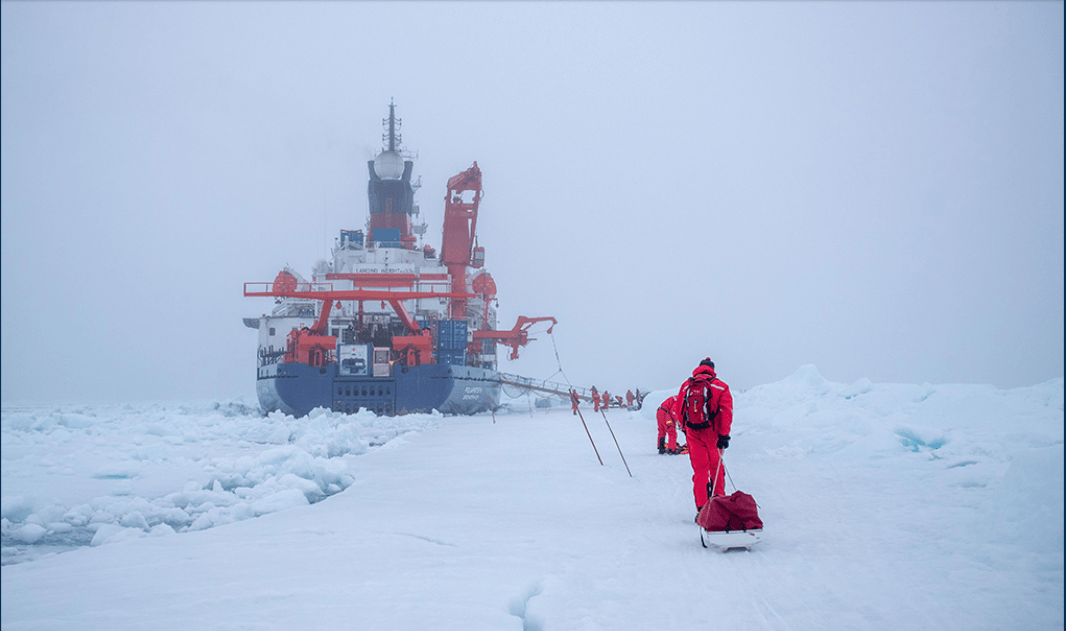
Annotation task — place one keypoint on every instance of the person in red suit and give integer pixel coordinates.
(595, 399)
(706, 415)
(666, 416)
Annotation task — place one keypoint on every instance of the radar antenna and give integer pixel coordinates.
(391, 138)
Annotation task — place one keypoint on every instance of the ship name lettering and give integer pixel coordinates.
(378, 270)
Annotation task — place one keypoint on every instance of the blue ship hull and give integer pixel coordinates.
(297, 389)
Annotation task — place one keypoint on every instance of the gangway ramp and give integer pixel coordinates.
(545, 387)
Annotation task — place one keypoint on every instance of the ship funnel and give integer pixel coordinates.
(389, 191)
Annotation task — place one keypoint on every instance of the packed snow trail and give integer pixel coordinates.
(886, 507)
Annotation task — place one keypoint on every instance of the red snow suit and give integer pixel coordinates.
(703, 443)
(605, 400)
(595, 400)
(666, 415)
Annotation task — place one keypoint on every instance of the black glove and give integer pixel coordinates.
(723, 441)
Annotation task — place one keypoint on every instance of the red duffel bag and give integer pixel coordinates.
(730, 512)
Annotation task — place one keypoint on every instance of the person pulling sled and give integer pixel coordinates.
(726, 521)
(706, 415)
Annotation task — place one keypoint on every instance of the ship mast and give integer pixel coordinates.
(392, 139)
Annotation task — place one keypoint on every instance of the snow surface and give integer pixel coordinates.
(887, 506)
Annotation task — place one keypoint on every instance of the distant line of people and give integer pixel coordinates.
(604, 400)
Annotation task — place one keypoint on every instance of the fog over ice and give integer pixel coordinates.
(873, 188)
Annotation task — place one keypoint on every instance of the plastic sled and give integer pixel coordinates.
(730, 521)
(725, 540)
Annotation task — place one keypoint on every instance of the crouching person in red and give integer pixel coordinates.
(666, 415)
(706, 414)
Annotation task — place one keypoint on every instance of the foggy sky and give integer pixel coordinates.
(874, 188)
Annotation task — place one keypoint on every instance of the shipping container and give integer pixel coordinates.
(451, 358)
(459, 335)
(451, 335)
(387, 237)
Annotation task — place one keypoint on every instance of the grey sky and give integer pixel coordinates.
(874, 188)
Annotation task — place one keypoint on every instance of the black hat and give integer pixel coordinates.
(707, 362)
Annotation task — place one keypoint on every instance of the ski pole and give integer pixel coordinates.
(582, 417)
(616, 443)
